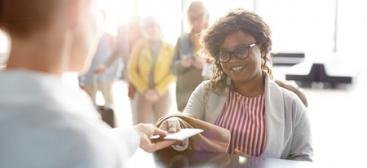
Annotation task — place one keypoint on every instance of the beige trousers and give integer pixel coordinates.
(104, 87)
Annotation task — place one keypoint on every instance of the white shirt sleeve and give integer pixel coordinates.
(129, 136)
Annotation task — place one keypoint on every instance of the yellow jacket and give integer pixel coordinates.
(140, 65)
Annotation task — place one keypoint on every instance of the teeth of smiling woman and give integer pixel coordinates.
(237, 68)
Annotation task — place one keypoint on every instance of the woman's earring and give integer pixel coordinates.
(228, 81)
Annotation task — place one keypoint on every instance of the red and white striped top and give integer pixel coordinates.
(245, 118)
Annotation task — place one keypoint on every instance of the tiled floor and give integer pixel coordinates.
(338, 121)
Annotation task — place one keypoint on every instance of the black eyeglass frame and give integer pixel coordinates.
(236, 53)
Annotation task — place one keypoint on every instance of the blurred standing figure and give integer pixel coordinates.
(187, 63)
(128, 36)
(149, 71)
(92, 82)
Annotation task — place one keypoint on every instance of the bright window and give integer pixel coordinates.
(300, 25)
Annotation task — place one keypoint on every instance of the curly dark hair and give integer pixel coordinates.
(236, 20)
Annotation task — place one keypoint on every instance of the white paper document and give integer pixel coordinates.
(180, 135)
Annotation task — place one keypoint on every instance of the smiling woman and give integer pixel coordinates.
(245, 67)
(242, 97)
(233, 30)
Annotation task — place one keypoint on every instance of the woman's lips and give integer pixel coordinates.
(237, 68)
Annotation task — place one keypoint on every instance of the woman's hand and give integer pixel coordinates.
(151, 95)
(186, 61)
(100, 69)
(239, 152)
(198, 64)
(146, 131)
(171, 125)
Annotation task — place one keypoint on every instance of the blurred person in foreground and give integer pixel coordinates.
(43, 123)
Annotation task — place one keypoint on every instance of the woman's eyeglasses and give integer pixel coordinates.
(241, 52)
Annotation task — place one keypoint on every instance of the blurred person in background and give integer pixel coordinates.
(128, 36)
(149, 71)
(94, 79)
(187, 64)
(44, 123)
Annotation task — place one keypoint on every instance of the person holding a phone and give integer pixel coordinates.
(187, 63)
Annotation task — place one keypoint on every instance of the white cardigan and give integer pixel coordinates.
(288, 133)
